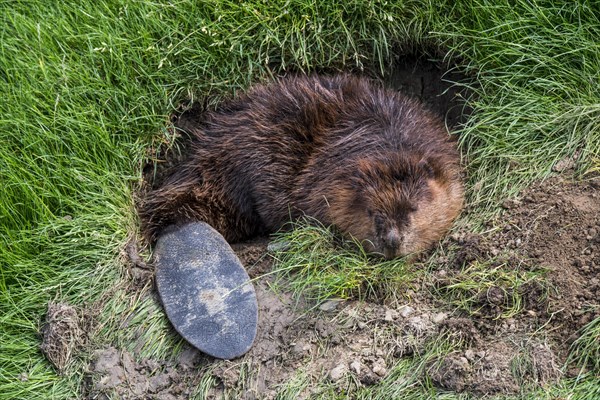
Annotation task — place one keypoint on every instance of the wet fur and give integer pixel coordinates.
(341, 149)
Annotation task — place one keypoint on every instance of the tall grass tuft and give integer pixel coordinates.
(586, 349)
(536, 99)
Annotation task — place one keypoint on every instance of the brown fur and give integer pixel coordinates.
(341, 149)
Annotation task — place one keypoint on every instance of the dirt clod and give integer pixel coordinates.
(61, 334)
(116, 373)
(338, 372)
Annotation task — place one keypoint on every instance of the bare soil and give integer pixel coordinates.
(554, 225)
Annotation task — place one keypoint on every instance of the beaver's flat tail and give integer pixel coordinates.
(206, 291)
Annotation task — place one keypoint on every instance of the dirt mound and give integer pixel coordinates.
(551, 226)
(554, 225)
(557, 224)
(116, 374)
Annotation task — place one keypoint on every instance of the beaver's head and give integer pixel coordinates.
(397, 205)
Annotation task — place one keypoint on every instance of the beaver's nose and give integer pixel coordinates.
(391, 243)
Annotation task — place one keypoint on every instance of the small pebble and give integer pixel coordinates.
(388, 315)
(355, 367)
(379, 368)
(405, 311)
(470, 355)
(439, 317)
(330, 305)
(456, 237)
(585, 268)
(301, 348)
(338, 372)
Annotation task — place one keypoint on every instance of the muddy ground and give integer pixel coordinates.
(553, 226)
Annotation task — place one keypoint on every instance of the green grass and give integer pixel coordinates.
(318, 265)
(87, 88)
(536, 97)
(586, 349)
(494, 286)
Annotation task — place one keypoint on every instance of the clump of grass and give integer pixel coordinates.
(409, 377)
(143, 327)
(534, 364)
(536, 98)
(585, 351)
(296, 386)
(319, 264)
(204, 387)
(490, 290)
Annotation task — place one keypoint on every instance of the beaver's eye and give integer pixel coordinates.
(379, 221)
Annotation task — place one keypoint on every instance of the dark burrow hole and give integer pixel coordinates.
(433, 83)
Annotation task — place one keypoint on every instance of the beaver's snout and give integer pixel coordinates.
(390, 243)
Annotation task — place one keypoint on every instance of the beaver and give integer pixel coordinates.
(342, 149)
